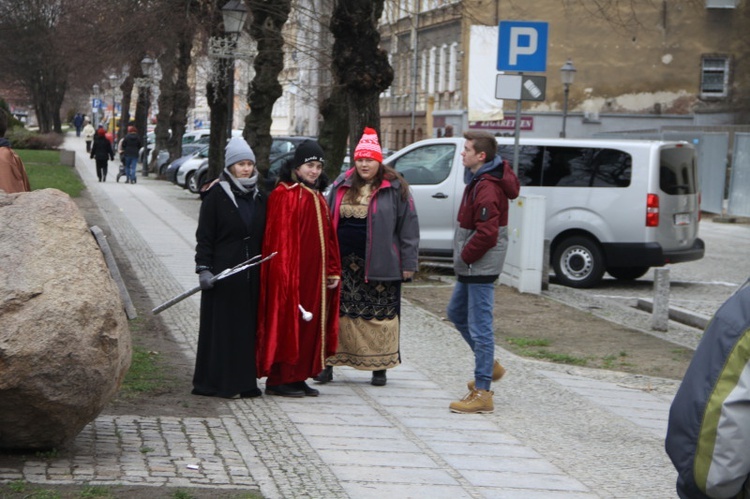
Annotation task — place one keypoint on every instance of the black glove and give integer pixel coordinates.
(204, 279)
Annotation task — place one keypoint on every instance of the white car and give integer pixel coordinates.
(189, 167)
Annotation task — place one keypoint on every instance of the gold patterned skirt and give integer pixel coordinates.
(369, 319)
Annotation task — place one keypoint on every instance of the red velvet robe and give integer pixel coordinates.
(298, 227)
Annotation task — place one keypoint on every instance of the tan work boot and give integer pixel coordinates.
(498, 372)
(476, 402)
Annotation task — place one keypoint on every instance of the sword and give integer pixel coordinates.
(252, 262)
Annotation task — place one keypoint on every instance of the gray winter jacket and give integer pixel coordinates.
(708, 437)
(392, 228)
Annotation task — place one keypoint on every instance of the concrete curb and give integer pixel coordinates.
(677, 314)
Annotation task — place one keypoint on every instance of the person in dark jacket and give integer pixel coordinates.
(479, 246)
(708, 436)
(131, 144)
(378, 230)
(230, 230)
(102, 152)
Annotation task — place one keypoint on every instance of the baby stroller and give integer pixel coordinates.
(121, 173)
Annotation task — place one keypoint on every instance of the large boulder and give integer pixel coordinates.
(64, 339)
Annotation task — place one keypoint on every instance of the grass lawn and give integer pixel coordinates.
(45, 171)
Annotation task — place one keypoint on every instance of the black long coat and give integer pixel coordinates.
(225, 362)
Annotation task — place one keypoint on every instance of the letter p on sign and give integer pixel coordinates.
(522, 42)
(522, 46)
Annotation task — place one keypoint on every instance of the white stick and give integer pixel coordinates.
(306, 316)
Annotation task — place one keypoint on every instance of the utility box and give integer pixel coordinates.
(524, 261)
(67, 158)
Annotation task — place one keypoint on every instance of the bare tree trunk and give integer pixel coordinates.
(334, 131)
(127, 90)
(269, 17)
(359, 64)
(181, 93)
(217, 103)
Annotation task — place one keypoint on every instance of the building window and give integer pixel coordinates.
(721, 4)
(431, 71)
(442, 68)
(453, 62)
(423, 72)
(715, 77)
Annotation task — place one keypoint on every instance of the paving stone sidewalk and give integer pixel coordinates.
(557, 431)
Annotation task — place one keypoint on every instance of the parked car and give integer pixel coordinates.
(202, 135)
(186, 171)
(620, 206)
(174, 166)
(286, 144)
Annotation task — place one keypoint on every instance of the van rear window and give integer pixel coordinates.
(678, 171)
(540, 166)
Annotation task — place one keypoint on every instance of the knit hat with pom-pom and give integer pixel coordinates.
(369, 146)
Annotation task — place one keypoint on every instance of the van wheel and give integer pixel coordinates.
(627, 273)
(578, 262)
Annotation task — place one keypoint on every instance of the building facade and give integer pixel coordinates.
(647, 65)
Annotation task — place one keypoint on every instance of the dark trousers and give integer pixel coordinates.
(101, 169)
(88, 146)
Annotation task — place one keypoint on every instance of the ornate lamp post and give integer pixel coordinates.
(567, 74)
(235, 14)
(113, 80)
(144, 84)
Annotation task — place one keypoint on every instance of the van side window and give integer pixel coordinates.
(550, 166)
(426, 165)
(530, 163)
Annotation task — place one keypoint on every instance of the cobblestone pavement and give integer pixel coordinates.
(557, 431)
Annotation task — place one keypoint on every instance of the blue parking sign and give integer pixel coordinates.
(522, 46)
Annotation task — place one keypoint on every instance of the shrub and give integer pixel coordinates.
(20, 138)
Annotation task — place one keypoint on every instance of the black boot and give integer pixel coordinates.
(378, 378)
(325, 376)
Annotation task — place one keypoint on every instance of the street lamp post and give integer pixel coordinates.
(567, 74)
(234, 13)
(95, 111)
(144, 83)
(113, 84)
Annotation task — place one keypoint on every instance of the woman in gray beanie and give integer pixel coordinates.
(230, 230)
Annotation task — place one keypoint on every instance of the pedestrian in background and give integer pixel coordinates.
(78, 123)
(300, 286)
(479, 247)
(88, 134)
(131, 144)
(378, 231)
(230, 231)
(13, 176)
(102, 153)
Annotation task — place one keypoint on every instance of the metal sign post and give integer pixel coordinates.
(522, 46)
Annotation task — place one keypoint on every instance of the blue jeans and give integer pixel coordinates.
(131, 162)
(470, 310)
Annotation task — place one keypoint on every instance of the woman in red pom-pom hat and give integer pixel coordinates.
(374, 217)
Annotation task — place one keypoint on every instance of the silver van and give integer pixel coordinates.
(620, 206)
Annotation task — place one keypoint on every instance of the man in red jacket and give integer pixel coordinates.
(479, 246)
